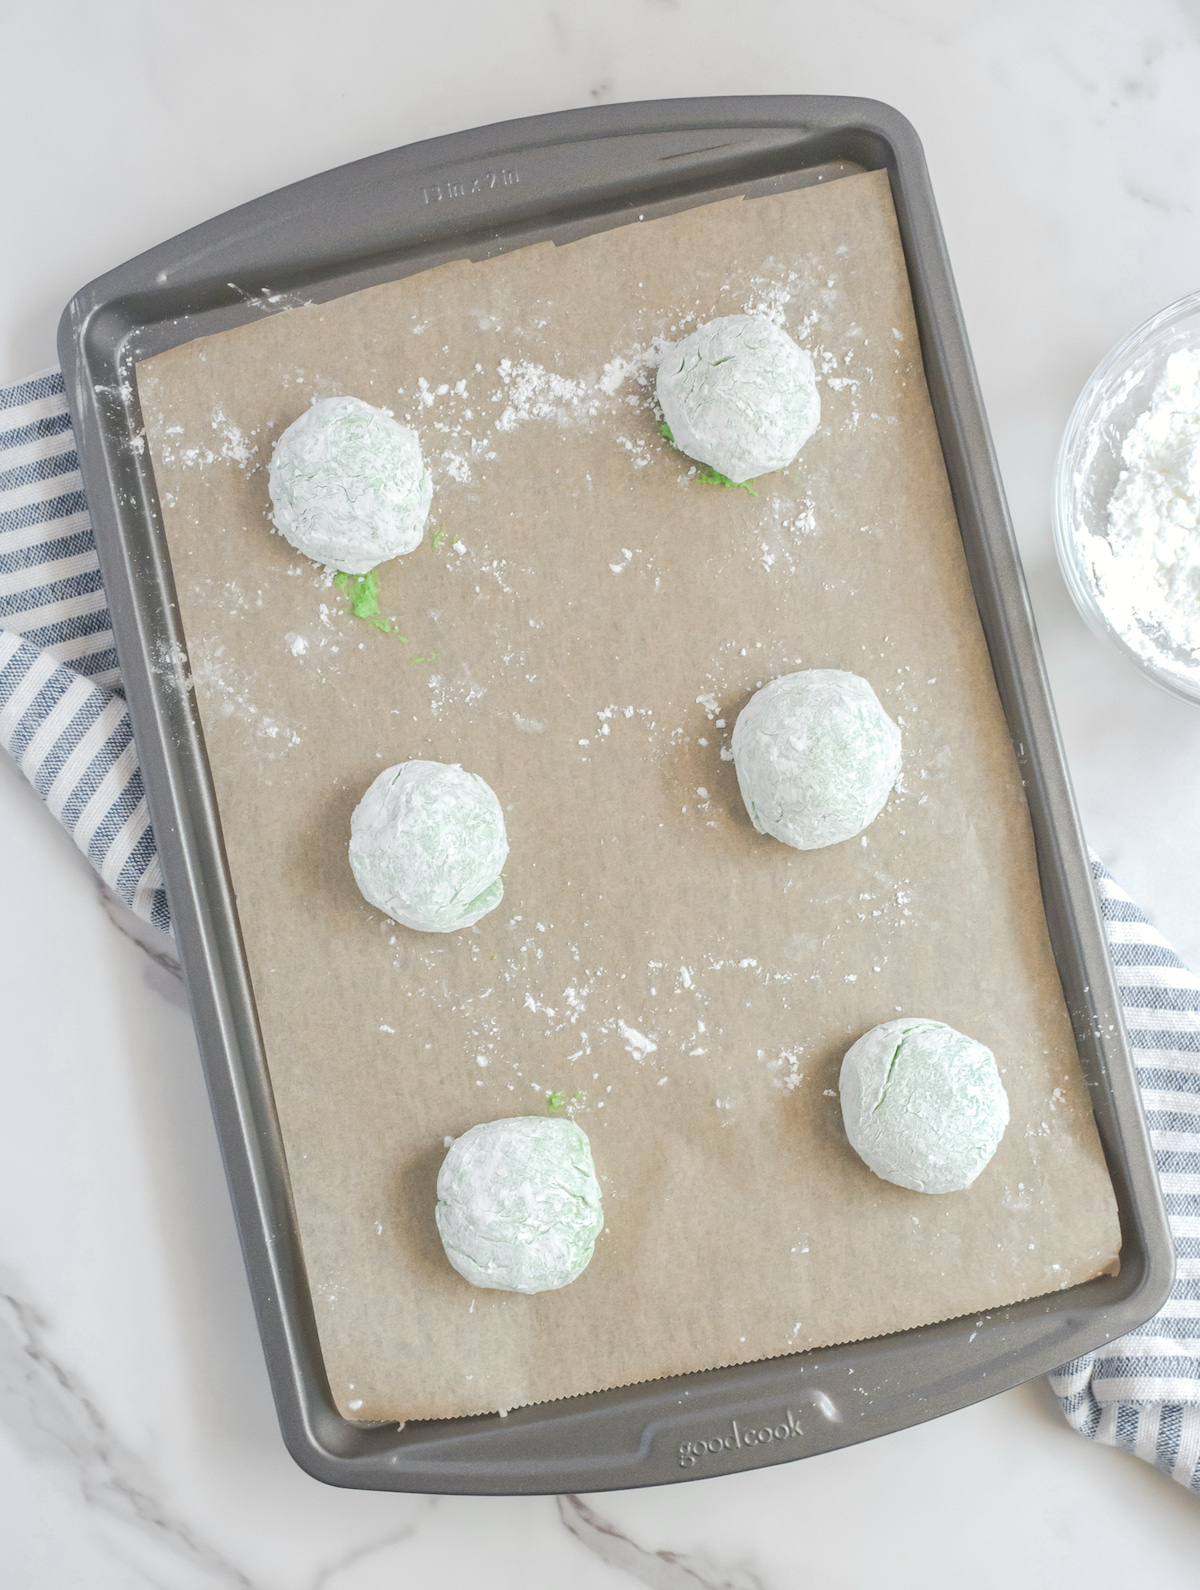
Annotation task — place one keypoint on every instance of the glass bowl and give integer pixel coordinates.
(1089, 465)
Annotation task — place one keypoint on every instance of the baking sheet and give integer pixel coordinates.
(583, 635)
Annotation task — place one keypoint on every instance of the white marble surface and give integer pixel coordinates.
(138, 1444)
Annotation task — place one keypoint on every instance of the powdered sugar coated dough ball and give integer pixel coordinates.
(427, 843)
(739, 395)
(348, 485)
(816, 757)
(923, 1105)
(519, 1204)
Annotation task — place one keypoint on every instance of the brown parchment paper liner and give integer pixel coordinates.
(591, 622)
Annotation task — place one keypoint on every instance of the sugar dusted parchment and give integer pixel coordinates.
(581, 627)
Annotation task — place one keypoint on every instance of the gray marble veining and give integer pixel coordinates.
(660, 1570)
(55, 1419)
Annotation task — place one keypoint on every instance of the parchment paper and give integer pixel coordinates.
(585, 633)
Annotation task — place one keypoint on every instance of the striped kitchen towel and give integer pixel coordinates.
(62, 715)
(63, 718)
(1142, 1392)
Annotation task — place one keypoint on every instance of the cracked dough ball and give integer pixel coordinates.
(348, 485)
(519, 1204)
(816, 757)
(427, 843)
(739, 395)
(923, 1105)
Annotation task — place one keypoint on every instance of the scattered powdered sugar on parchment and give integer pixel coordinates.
(546, 449)
(1146, 570)
(469, 416)
(770, 290)
(682, 1032)
(782, 540)
(531, 392)
(638, 366)
(458, 687)
(638, 1044)
(216, 670)
(235, 445)
(784, 1068)
(575, 1015)
(229, 444)
(463, 421)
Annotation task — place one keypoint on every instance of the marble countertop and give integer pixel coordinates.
(138, 1443)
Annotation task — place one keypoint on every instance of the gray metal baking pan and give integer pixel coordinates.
(475, 194)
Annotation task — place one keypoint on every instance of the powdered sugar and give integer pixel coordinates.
(531, 392)
(1146, 569)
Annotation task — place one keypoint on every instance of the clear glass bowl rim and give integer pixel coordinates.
(1116, 360)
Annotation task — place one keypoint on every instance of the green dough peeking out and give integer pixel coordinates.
(739, 395)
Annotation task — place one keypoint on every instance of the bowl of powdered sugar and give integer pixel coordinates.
(1127, 498)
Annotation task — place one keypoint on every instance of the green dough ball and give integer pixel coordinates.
(738, 394)
(816, 757)
(519, 1204)
(348, 486)
(427, 843)
(923, 1105)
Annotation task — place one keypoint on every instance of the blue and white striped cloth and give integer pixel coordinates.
(1142, 1392)
(62, 715)
(63, 718)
